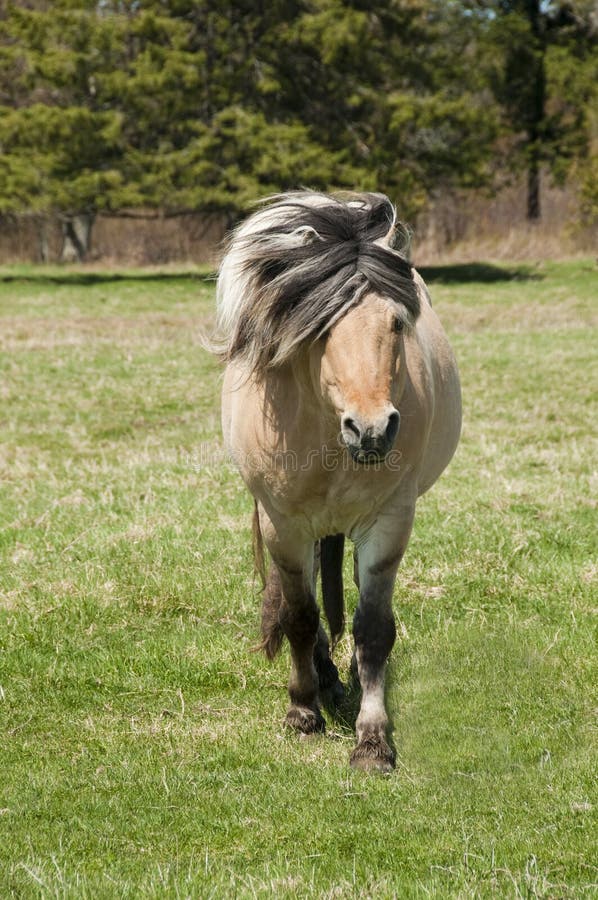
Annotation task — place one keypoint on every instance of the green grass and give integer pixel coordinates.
(142, 752)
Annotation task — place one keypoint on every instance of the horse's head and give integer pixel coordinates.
(324, 275)
(362, 375)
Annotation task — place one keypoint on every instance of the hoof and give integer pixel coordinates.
(373, 755)
(305, 720)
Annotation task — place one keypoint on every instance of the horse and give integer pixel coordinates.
(341, 405)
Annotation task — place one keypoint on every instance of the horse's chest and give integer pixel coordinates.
(329, 502)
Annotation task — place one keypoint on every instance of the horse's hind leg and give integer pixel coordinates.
(331, 686)
(330, 554)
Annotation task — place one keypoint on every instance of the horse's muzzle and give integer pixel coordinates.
(370, 442)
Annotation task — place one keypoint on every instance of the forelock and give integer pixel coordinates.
(299, 263)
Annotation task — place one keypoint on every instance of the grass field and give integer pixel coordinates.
(142, 751)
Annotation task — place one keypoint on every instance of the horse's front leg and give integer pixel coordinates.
(299, 619)
(291, 600)
(374, 632)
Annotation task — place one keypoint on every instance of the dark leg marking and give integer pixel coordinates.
(390, 562)
(374, 631)
(299, 620)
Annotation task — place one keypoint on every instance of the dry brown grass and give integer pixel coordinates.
(455, 228)
(471, 227)
(121, 241)
(152, 330)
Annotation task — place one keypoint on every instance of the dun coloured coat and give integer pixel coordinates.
(340, 406)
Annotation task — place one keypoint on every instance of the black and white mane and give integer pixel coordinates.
(297, 265)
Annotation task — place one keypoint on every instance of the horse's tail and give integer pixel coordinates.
(259, 558)
(331, 565)
(272, 633)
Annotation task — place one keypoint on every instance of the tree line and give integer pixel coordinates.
(148, 107)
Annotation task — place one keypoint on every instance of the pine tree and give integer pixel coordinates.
(206, 105)
(63, 150)
(542, 65)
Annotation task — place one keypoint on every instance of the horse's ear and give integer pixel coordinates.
(392, 239)
(379, 218)
(399, 238)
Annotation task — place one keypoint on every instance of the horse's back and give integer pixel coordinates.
(433, 367)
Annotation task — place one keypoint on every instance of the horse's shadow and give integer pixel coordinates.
(478, 272)
(341, 703)
(78, 277)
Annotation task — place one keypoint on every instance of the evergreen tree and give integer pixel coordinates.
(543, 68)
(63, 148)
(206, 105)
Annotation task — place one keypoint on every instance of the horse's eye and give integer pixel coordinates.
(398, 325)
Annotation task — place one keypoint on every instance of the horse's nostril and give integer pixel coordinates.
(351, 425)
(394, 420)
